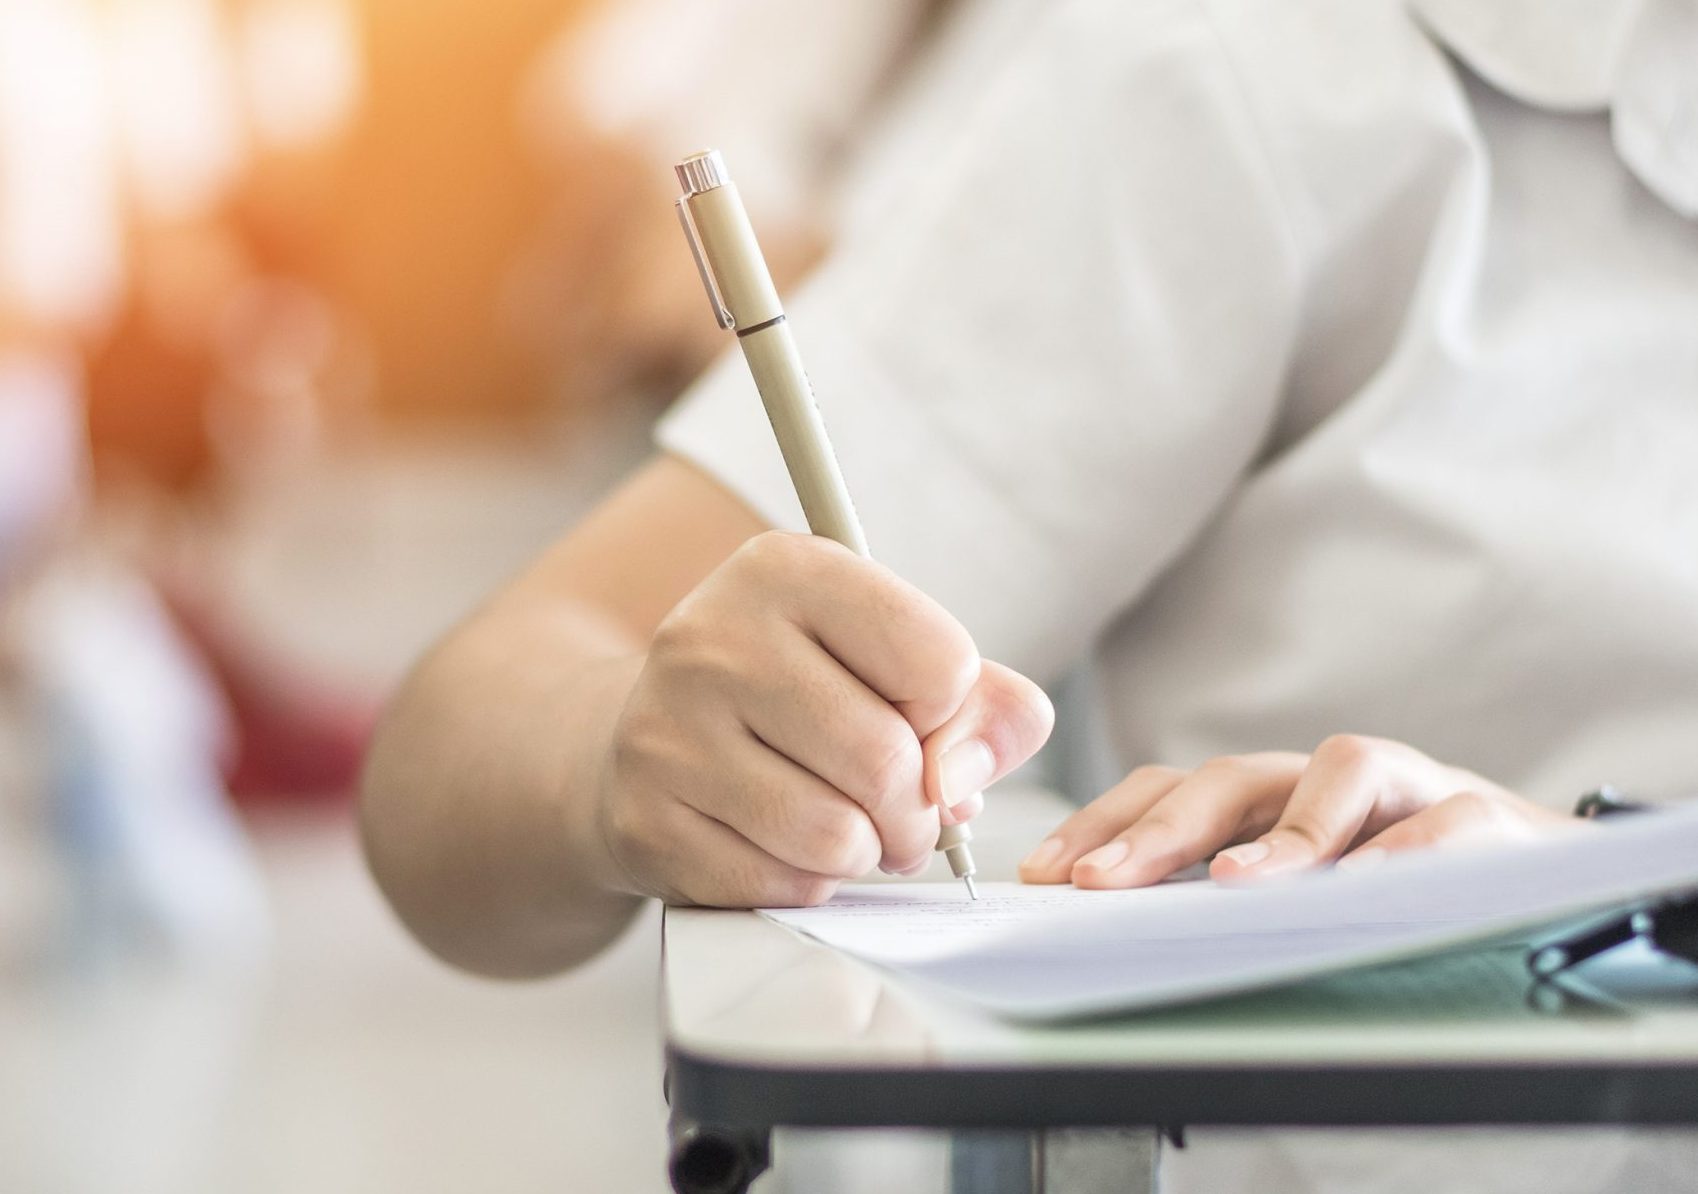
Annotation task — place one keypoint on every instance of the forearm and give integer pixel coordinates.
(479, 798)
(674, 702)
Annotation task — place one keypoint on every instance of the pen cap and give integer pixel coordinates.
(726, 240)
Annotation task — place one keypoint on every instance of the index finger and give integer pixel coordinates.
(895, 639)
(1219, 803)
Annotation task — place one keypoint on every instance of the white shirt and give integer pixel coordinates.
(1305, 378)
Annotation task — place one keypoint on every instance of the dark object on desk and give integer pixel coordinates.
(1670, 926)
(1607, 802)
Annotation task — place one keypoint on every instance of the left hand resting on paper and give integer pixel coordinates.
(1258, 815)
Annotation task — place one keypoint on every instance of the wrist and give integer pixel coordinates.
(605, 696)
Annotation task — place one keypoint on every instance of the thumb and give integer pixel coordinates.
(1001, 724)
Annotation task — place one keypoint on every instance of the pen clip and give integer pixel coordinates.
(717, 301)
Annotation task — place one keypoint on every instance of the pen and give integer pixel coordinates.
(743, 298)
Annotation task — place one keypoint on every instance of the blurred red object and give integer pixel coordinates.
(299, 738)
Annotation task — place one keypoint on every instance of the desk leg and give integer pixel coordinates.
(710, 1160)
(1056, 1161)
(1098, 1161)
(992, 1163)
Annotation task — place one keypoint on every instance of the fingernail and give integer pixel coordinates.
(1247, 855)
(1362, 859)
(964, 770)
(1048, 851)
(1106, 858)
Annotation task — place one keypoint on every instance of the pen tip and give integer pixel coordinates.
(971, 890)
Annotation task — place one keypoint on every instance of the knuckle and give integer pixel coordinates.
(767, 549)
(651, 727)
(1228, 767)
(945, 658)
(1161, 834)
(910, 844)
(908, 865)
(1350, 750)
(840, 845)
(893, 599)
(958, 668)
(1160, 821)
(1162, 857)
(1308, 831)
(679, 634)
(1471, 805)
(637, 738)
(950, 656)
(690, 650)
(625, 826)
(816, 687)
(784, 557)
(888, 767)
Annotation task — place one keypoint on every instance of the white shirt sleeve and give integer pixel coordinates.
(1045, 373)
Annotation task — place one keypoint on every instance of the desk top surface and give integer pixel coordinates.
(763, 1024)
(741, 989)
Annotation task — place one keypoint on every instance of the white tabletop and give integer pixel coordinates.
(743, 992)
(739, 988)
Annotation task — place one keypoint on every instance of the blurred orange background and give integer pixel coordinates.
(319, 318)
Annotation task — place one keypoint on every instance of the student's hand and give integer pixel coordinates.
(1355, 798)
(803, 716)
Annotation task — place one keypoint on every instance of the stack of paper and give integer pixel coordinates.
(1054, 952)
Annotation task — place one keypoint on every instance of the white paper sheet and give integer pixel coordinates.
(1052, 952)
